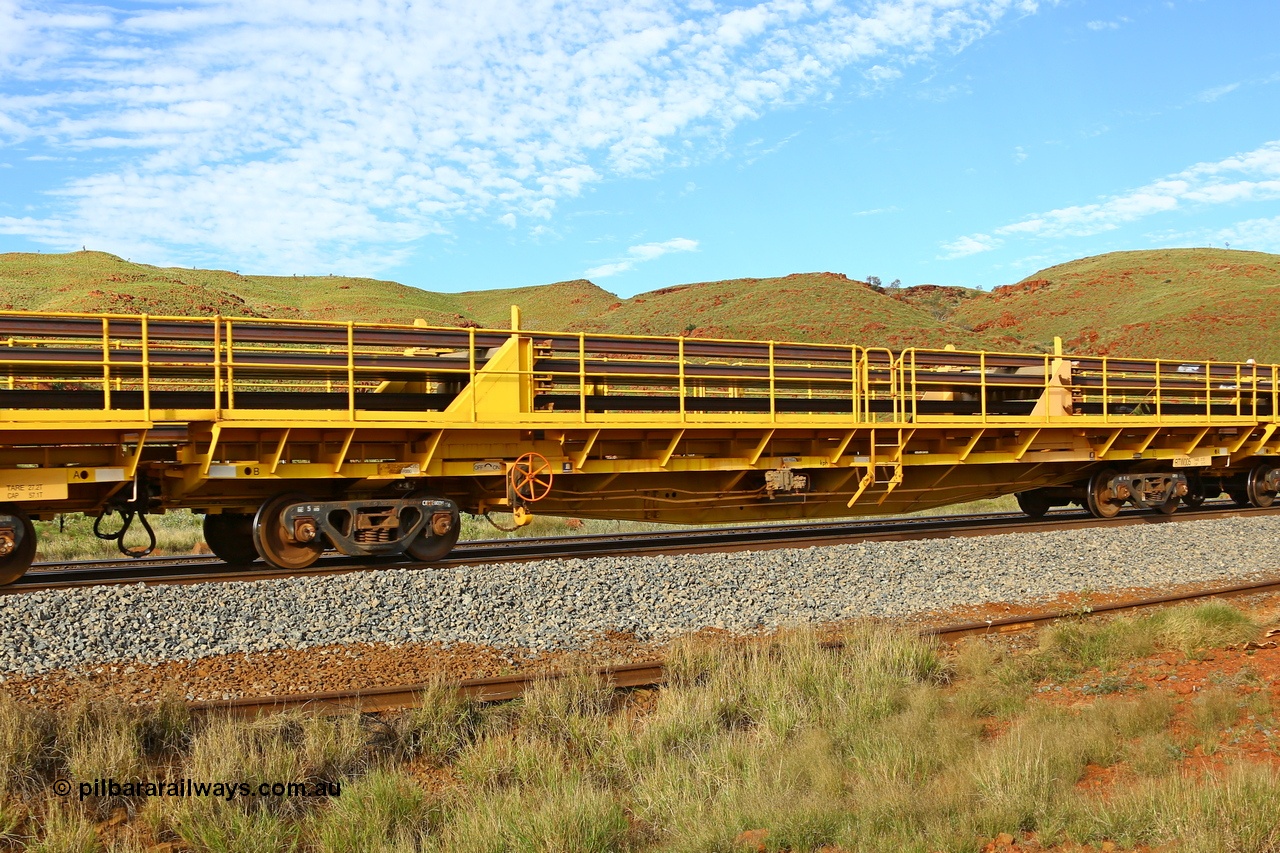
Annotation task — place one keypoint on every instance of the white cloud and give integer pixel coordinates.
(1262, 235)
(1259, 235)
(754, 152)
(305, 134)
(876, 211)
(641, 254)
(882, 73)
(1098, 26)
(1211, 95)
(1251, 176)
(972, 245)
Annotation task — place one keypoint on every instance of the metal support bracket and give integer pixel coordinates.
(671, 448)
(580, 459)
(759, 451)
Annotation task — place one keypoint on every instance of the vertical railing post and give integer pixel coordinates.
(1208, 389)
(1239, 389)
(351, 371)
(217, 366)
(582, 376)
(1253, 391)
(864, 382)
(915, 411)
(231, 370)
(680, 355)
(146, 369)
(773, 411)
(895, 386)
(982, 385)
(1106, 402)
(106, 363)
(1275, 393)
(853, 381)
(1045, 382)
(1159, 389)
(471, 370)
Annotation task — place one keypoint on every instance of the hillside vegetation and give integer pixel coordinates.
(1180, 303)
(1172, 303)
(99, 282)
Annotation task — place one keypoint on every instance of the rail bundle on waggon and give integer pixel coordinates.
(293, 437)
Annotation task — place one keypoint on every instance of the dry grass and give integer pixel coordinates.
(70, 537)
(885, 744)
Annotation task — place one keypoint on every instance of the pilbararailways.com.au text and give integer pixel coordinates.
(226, 790)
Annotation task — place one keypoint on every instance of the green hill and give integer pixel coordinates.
(99, 282)
(1168, 303)
(1173, 303)
(825, 307)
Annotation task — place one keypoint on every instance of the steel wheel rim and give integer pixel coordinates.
(15, 565)
(1256, 494)
(1100, 504)
(270, 539)
(424, 548)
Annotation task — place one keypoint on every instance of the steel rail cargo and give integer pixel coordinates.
(294, 437)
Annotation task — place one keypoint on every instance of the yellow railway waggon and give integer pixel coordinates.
(293, 437)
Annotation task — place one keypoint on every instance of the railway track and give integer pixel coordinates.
(207, 568)
(653, 673)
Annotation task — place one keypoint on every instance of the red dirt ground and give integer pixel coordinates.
(368, 666)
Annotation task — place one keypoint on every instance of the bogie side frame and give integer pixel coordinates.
(388, 432)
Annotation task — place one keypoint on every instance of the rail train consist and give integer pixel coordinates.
(293, 437)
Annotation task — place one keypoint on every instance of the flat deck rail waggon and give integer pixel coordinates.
(293, 437)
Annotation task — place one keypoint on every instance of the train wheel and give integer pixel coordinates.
(1169, 507)
(22, 545)
(429, 547)
(276, 545)
(1256, 487)
(1033, 503)
(1239, 497)
(229, 536)
(1099, 499)
(1195, 491)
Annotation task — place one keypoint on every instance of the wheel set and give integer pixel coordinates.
(290, 531)
(1107, 491)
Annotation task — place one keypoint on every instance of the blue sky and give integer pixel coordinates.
(466, 144)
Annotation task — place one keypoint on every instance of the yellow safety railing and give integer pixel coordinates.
(141, 363)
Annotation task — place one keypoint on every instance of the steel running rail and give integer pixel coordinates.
(653, 673)
(197, 569)
(136, 369)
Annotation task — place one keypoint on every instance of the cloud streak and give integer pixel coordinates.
(642, 254)
(334, 134)
(1251, 176)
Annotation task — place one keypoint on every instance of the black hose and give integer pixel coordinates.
(126, 521)
(111, 536)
